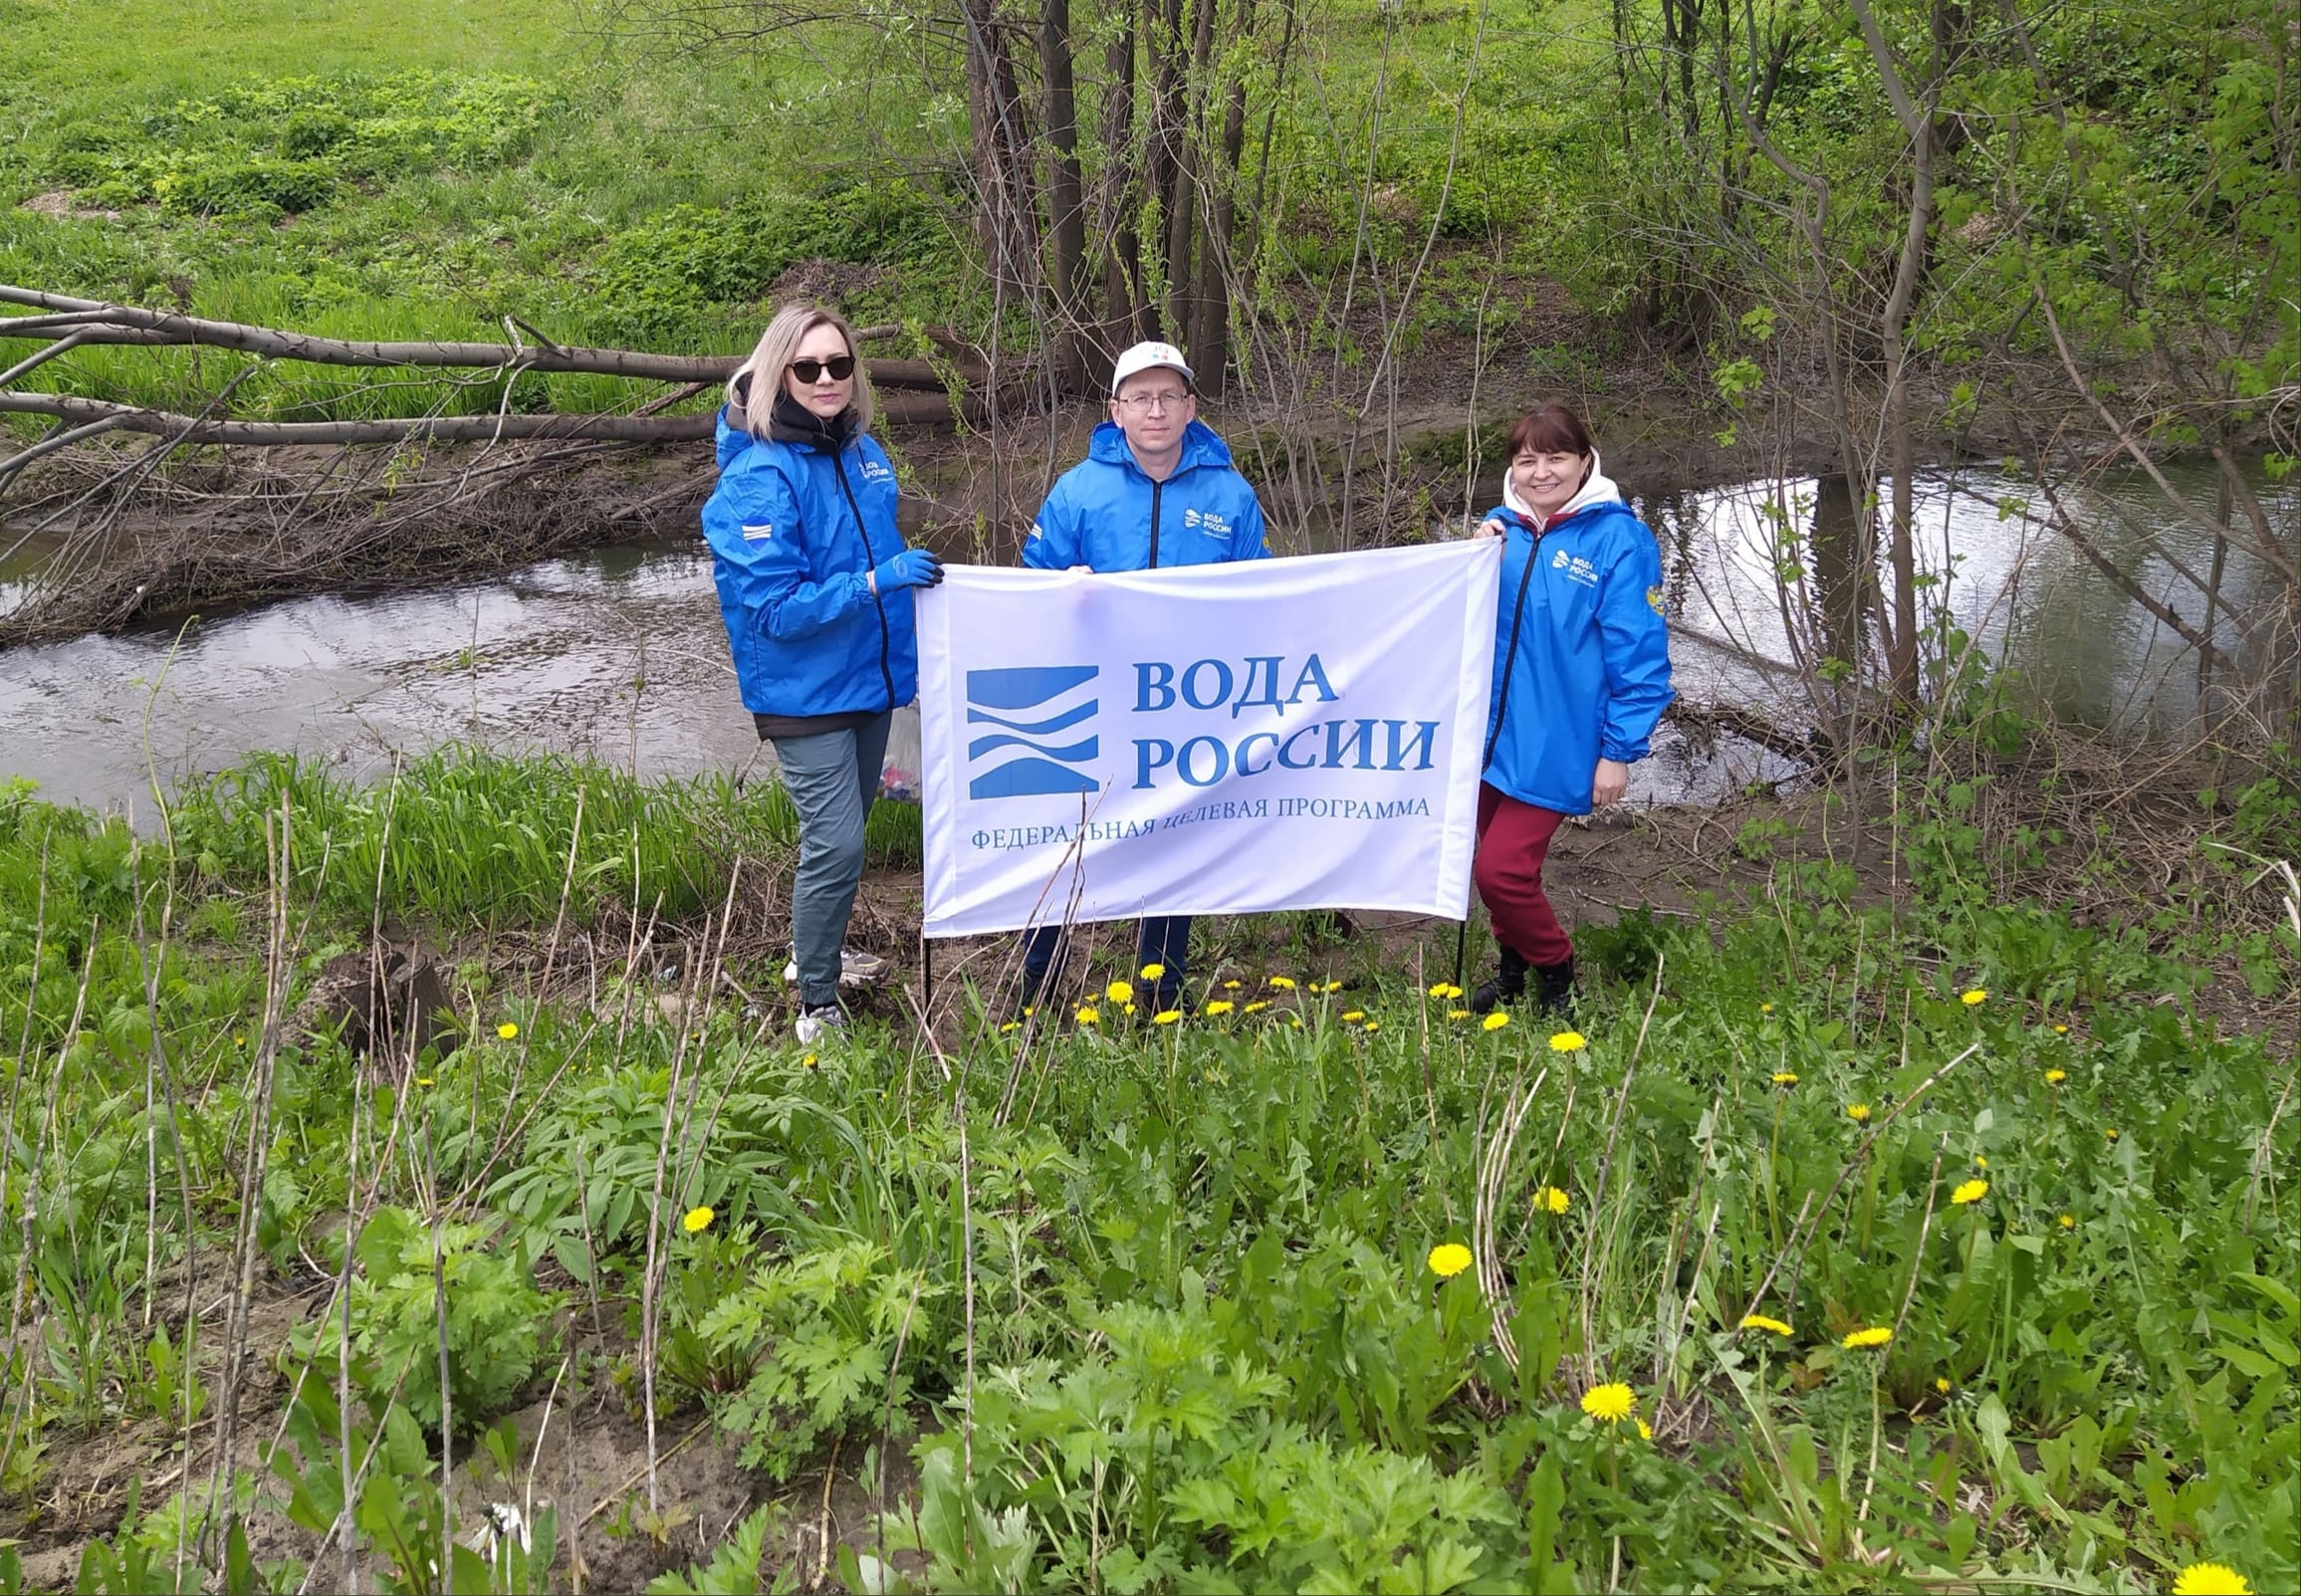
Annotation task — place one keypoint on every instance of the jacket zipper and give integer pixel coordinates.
(1154, 560)
(871, 555)
(1509, 655)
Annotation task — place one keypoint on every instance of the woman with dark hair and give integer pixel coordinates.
(1582, 674)
(814, 586)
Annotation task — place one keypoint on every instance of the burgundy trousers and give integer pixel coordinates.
(1513, 839)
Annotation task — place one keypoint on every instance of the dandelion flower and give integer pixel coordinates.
(426, 1080)
(1257, 1007)
(1568, 1042)
(1765, 1007)
(239, 1042)
(1974, 998)
(1354, 1014)
(1334, 985)
(1119, 991)
(1282, 982)
(1786, 1077)
(1979, 1162)
(1153, 970)
(1374, 1025)
(1495, 1020)
(1610, 1403)
(698, 1219)
(2112, 1133)
(1968, 1192)
(2211, 1579)
(1876, 1335)
(2061, 1030)
(1229, 985)
(1550, 1199)
(1859, 1113)
(2068, 1222)
(1221, 1006)
(1127, 1008)
(1166, 1017)
(1089, 1016)
(2054, 1078)
(1446, 989)
(507, 1030)
(1012, 1024)
(1644, 1431)
(1448, 1260)
(1761, 1321)
(809, 1061)
(1458, 1013)
(1942, 1384)
(1296, 1020)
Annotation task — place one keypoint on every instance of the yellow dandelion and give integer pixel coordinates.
(1786, 1077)
(1550, 1199)
(1221, 1006)
(2111, 1133)
(1089, 1016)
(2067, 1221)
(2054, 1078)
(1012, 1024)
(698, 1219)
(1029, 1010)
(1296, 1020)
(507, 1030)
(1334, 985)
(1446, 989)
(1765, 1007)
(1282, 982)
(809, 1062)
(1119, 991)
(1644, 1431)
(1153, 970)
(239, 1042)
(1229, 985)
(1374, 1025)
(1126, 1009)
(2061, 1030)
(1257, 1007)
(1968, 1192)
(1495, 1020)
(1876, 1335)
(1941, 1385)
(1859, 1113)
(2211, 1579)
(1166, 1017)
(1974, 998)
(1458, 1013)
(1568, 1042)
(1980, 1162)
(1610, 1403)
(1761, 1321)
(426, 1080)
(1354, 1014)
(1448, 1260)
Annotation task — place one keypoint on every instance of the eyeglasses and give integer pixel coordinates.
(840, 367)
(1144, 403)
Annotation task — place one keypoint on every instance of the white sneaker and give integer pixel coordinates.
(857, 968)
(814, 1024)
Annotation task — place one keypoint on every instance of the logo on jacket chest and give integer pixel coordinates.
(1208, 522)
(874, 471)
(1575, 567)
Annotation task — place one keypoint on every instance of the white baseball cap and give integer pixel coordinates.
(1148, 356)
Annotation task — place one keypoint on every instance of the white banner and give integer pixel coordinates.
(1280, 734)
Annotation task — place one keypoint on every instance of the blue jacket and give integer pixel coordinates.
(1105, 513)
(1591, 671)
(792, 530)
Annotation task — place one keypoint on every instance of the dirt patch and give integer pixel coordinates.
(57, 202)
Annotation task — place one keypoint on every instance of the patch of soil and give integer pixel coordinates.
(57, 202)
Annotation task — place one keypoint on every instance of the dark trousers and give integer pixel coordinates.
(1166, 939)
(1513, 839)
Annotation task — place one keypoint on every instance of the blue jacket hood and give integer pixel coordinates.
(1581, 649)
(1105, 514)
(733, 438)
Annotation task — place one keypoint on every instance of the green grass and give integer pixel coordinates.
(1178, 1280)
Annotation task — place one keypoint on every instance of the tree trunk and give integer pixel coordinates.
(1065, 196)
(1164, 23)
(1211, 328)
(1122, 193)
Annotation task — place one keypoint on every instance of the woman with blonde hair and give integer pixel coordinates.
(815, 584)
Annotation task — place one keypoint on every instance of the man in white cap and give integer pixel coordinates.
(1156, 489)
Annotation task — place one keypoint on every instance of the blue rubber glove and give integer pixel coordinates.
(913, 568)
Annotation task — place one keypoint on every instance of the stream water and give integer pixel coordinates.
(619, 653)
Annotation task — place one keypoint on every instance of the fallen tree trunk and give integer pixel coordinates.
(86, 322)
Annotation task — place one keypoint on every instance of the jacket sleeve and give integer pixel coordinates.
(1246, 542)
(1053, 541)
(759, 535)
(1634, 643)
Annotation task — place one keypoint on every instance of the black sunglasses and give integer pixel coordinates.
(840, 367)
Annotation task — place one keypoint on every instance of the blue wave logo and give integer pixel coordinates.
(1030, 704)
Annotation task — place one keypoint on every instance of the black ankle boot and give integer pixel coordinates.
(1508, 986)
(1554, 986)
